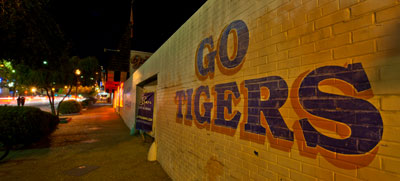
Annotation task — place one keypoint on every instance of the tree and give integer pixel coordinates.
(8, 76)
(89, 66)
(49, 77)
(29, 33)
(33, 42)
(56, 75)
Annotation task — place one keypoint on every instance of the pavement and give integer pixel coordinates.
(94, 145)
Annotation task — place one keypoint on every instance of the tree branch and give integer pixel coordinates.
(62, 100)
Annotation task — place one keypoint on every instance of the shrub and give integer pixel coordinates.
(94, 100)
(70, 106)
(88, 101)
(85, 103)
(25, 125)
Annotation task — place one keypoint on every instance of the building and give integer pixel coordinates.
(137, 58)
(276, 90)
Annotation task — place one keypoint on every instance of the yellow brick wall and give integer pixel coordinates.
(287, 39)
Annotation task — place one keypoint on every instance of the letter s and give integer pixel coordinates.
(363, 119)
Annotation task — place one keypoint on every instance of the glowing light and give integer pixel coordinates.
(33, 89)
(44, 62)
(65, 87)
(77, 72)
(53, 89)
(121, 94)
(13, 71)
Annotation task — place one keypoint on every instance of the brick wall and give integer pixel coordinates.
(280, 90)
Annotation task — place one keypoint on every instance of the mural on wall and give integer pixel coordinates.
(356, 123)
(137, 61)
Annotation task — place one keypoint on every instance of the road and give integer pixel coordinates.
(41, 102)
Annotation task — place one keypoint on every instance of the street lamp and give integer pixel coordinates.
(33, 90)
(77, 73)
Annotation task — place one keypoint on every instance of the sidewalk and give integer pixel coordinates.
(95, 145)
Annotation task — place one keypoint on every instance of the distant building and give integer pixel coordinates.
(120, 69)
(137, 58)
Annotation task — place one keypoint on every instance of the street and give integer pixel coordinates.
(41, 102)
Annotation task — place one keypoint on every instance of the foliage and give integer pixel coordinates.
(33, 42)
(7, 73)
(25, 125)
(88, 101)
(70, 106)
(59, 74)
(89, 67)
(84, 91)
(85, 103)
(29, 33)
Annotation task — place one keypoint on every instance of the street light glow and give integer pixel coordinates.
(33, 89)
(77, 72)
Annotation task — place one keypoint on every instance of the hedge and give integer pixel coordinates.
(25, 125)
(70, 106)
(86, 102)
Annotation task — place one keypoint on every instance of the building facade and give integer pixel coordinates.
(277, 90)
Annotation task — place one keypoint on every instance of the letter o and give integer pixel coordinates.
(230, 65)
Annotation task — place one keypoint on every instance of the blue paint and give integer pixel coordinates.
(278, 94)
(209, 60)
(202, 90)
(361, 116)
(242, 33)
(188, 115)
(223, 103)
(180, 97)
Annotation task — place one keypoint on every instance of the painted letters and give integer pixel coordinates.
(269, 106)
(225, 117)
(354, 125)
(360, 116)
(228, 65)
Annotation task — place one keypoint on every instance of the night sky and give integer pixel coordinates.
(92, 25)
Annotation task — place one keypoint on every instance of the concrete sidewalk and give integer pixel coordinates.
(95, 145)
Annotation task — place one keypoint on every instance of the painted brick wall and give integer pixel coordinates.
(280, 90)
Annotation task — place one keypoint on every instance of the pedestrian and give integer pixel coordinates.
(22, 101)
(19, 101)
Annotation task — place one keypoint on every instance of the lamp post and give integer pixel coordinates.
(77, 73)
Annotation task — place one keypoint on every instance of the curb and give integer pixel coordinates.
(65, 120)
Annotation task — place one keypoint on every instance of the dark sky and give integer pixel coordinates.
(94, 25)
